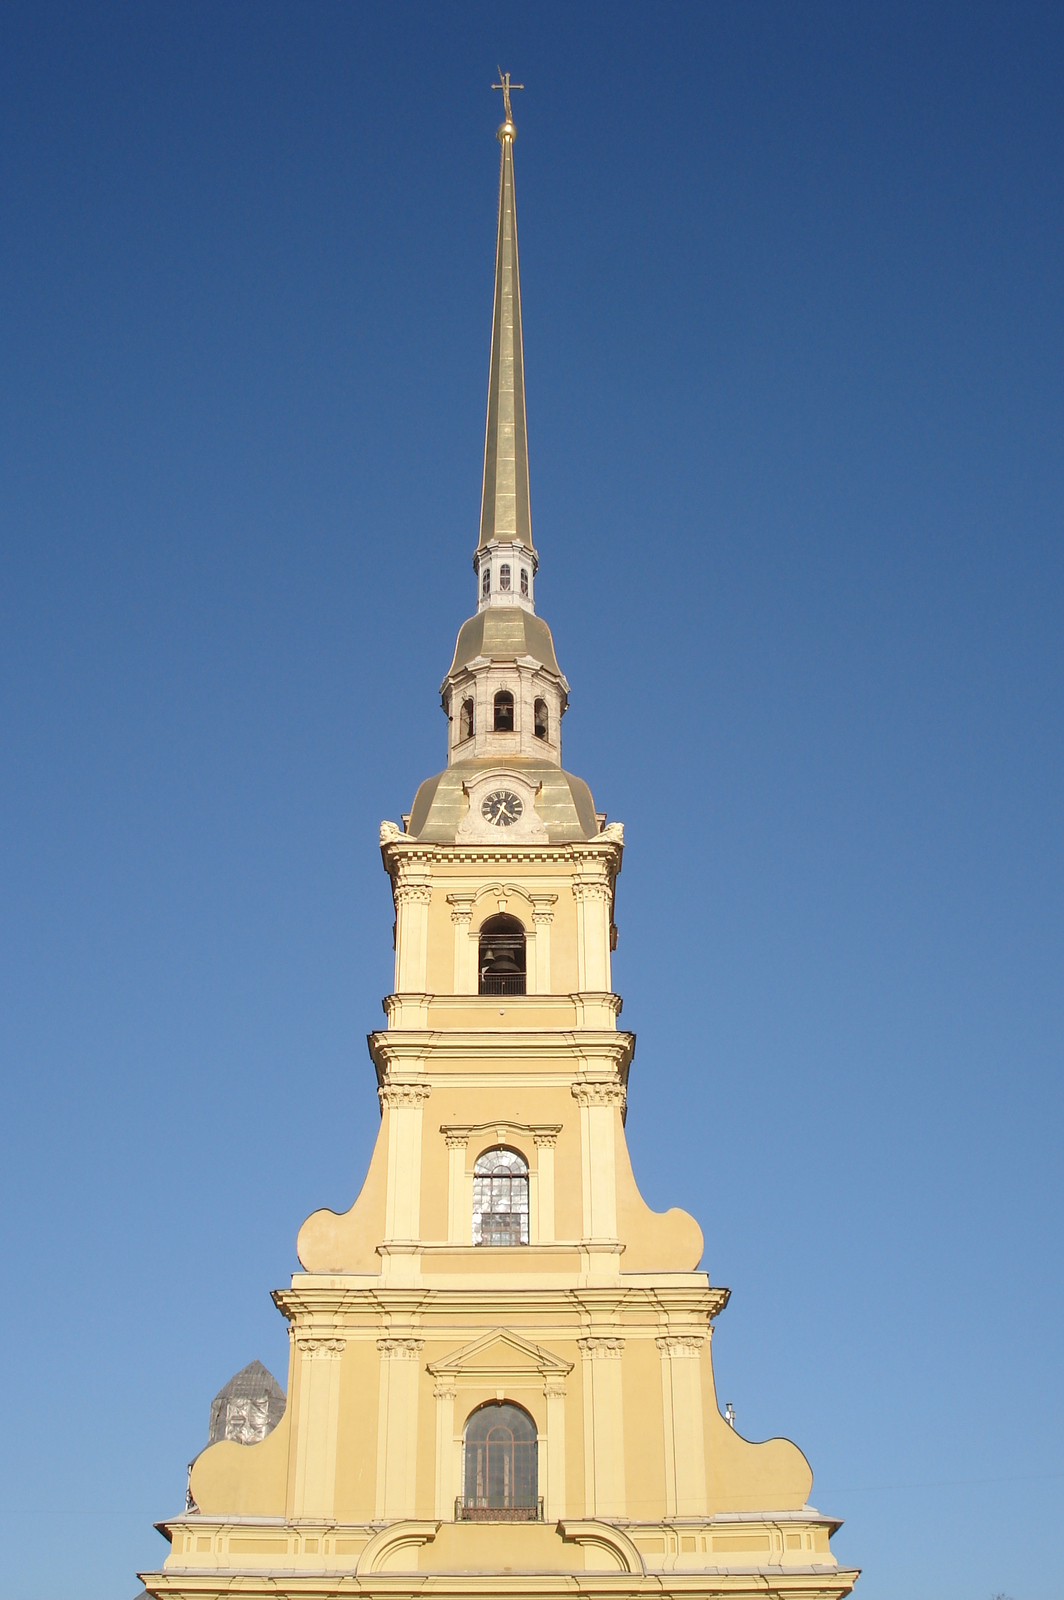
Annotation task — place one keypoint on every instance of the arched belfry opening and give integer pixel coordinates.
(504, 712)
(542, 716)
(500, 1198)
(465, 721)
(501, 1465)
(502, 956)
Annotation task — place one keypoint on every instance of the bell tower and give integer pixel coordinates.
(500, 1374)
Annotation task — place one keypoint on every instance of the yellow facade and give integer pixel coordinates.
(595, 1324)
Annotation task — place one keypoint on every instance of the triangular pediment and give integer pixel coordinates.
(502, 1354)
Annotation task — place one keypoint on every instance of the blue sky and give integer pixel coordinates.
(793, 323)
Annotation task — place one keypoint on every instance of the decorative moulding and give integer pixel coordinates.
(503, 1355)
(475, 827)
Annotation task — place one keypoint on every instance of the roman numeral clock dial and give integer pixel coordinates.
(502, 808)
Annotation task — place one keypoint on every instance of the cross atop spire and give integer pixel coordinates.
(505, 85)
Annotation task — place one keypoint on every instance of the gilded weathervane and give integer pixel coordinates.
(505, 85)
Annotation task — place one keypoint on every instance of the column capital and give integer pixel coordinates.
(596, 1348)
(461, 908)
(394, 1095)
(543, 908)
(593, 889)
(316, 1345)
(681, 1344)
(400, 1349)
(412, 893)
(607, 1093)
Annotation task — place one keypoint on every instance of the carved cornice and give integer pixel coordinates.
(332, 1302)
(605, 847)
(458, 1135)
(600, 1049)
(500, 1354)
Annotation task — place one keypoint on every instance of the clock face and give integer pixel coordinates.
(502, 807)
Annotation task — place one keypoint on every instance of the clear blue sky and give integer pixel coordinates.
(793, 318)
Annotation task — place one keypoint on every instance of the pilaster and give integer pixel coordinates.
(446, 1488)
(604, 1488)
(314, 1477)
(554, 1500)
(542, 917)
(681, 1399)
(598, 1102)
(593, 893)
(465, 948)
(413, 892)
(457, 1144)
(400, 1368)
(401, 1106)
(546, 1141)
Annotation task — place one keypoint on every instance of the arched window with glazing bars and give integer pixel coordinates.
(500, 1198)
(501, 1466)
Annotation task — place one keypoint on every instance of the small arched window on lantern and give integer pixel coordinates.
(500, 1198)
(465, 721)
(485, 581)
(524, 582)
(504, 712)
(502, 956)
(504, 576)
(501, 1466)
(542, 720)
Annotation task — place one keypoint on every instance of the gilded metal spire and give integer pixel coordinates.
(505, 515)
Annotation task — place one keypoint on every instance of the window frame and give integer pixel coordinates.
(509, 1182)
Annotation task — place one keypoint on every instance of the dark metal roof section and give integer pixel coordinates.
(248, 1408)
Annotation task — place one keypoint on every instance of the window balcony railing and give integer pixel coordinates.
(502, 983)
(476, 1511)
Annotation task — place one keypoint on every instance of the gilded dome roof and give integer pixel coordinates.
(504, 633)
(563, 802)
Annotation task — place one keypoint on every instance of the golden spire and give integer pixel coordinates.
(504, 513)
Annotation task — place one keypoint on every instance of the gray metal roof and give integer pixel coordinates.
(248, 1407)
